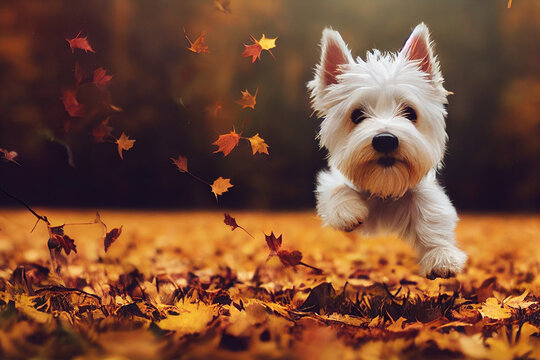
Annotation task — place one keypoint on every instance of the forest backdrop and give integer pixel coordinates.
(168, 96)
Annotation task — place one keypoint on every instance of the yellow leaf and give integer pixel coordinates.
(518, 302)
(220, 186)
(248, 100)
(193, 318)
(267, 43)
(258, 145)
(493, 310)
(124, 143)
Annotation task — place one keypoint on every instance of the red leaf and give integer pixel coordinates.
(80, 43)
(71, 104)
(290, 258)
(253, 50)
(181, 163)
(57, 239)
(229, 220)
(227, 142)
(101, 79)
(111, 237)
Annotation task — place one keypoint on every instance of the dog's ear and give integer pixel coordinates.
(419, 47)
(334, 54)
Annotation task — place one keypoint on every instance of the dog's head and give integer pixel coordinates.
(383, 116)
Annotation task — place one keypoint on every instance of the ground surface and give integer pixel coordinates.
(184, 285)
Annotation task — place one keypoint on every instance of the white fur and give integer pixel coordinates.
(357, 192)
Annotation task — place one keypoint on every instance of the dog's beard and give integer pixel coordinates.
(381, 178)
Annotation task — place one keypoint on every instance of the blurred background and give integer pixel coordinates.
(489, 54)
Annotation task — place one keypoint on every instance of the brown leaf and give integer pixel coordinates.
(229, 220)
(111, 237)
(248, 100)
(198, 46)
(274, 244)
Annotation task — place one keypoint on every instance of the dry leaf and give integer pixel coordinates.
(226, 143)
(102, 131)
(71, 104)
(101, 79)
(181, 163)
(258, 145)
(9, 155)
(79, 42)
(493, 310)
(198, 46)
(111, 237)
(248, 100)
(254, 50)
(220, 186)
(124, 143)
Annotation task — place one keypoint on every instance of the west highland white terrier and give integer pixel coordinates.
(384, 129)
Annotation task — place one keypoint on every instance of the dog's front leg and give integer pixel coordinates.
(433, 220)
(338, 204)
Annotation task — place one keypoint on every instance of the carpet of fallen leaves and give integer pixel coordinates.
(182, 284)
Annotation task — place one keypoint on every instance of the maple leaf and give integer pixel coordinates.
(518, 302)
(71, 104)
(229, 220)
(10, 155)
(258, 145)
(493, 310)
(227, 142)
(59, 240)
(248, 100)
(290, 258)
(102, 131)
(124, 143)
(220, 186)
(198, 46)
(254, 50)
(223, 5)
(101, 79)
(79, 42)
(181, 163)
(274, 244)
(111, 237)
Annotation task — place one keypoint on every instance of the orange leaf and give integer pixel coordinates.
(226, 143)
(198, 46)
(9, 155)
(101, 131)
(124, 143)
(71, 104)
(220, 186)
(493, 310)
(253, 50)
(80, 43)
(101, 79)
(248, 100)
(181, 163)
(258, 145)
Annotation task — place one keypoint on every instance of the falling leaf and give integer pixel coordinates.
(518, 302)
(124, 143)
(9, 155)
(102, 131)
(101, 79)
(229, 220)
(79, 42)
(254, 50)
(493, 310)
(220, 186)
(267, 43)
(181, 163)
(223, 5)
(290, 258)
(71, 104)
(248, 100)
(57, 239)
(226, 143)
(198, 46)
(258, 145)
(274, 244)
(111, 237)
(79, 74)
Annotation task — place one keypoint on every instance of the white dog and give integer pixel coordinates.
(384, 130)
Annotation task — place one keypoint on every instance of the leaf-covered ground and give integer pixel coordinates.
(183, 285)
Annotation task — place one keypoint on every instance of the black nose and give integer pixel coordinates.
(385, 142)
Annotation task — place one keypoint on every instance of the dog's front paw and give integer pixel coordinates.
(442, 262)
(345, 210)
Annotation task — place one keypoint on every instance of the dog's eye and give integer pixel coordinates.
(358, 115)
(410, 113)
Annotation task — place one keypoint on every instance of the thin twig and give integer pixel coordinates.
(42, 218)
